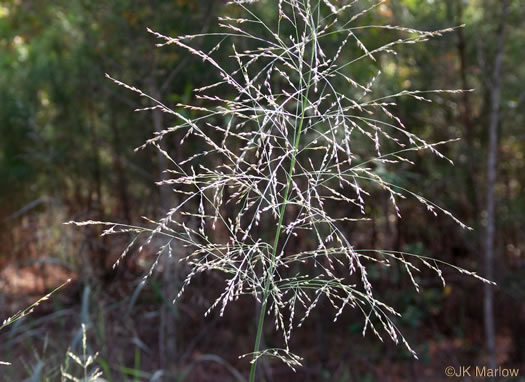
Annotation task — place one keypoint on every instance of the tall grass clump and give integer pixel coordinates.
(292, 139)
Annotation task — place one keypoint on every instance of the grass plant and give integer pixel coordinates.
(292, 141)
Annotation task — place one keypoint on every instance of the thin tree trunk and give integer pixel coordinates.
(168, 314)
(495, 95)
(466, 112)
(100, 247)
(122, 180)
(167, 326)
(162, 161)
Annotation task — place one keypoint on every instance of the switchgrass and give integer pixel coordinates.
(293, 152)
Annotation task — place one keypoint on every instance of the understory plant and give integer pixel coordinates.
(85, 362)
(28, 310)
(292, 138)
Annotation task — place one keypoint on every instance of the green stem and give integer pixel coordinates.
(260, 322)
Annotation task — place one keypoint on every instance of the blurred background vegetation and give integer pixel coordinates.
(67, 136)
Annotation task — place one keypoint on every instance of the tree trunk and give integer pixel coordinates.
(495, 95)
(167, 326)
(466, 114)
(122, 180)
(162, 161)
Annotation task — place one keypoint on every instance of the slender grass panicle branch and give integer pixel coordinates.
(27, 311)
(300, 134)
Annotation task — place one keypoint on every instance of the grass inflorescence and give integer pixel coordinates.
(296, 140)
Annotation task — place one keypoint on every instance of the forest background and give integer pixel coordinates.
(67, 136)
